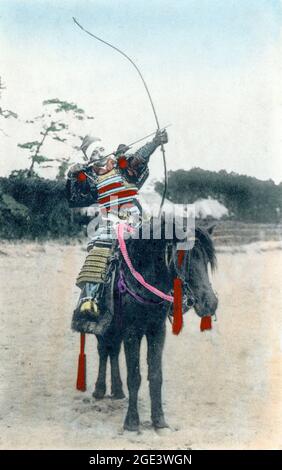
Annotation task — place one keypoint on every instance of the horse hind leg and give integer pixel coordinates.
(100, 386)
(132, 355)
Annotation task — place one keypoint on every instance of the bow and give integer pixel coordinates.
(149, 96)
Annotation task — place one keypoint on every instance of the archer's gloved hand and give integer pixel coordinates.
(121, 150)
(161, 137)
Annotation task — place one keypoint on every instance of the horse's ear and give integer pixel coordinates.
(210, 228)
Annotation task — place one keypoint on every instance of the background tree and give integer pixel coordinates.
(54, 124)
(245, 197)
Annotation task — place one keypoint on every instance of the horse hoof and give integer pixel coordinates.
(131, 423)
(131, 427)
(163, 432)
(159, 423)
(98, 394)
(118, 395)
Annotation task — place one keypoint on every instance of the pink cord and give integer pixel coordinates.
(120, 231)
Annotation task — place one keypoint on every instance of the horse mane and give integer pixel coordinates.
(205, 242)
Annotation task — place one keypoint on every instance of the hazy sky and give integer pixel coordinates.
(213, 68)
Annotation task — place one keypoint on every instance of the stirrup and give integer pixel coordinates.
(89, 305)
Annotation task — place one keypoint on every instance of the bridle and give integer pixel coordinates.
(183, 272)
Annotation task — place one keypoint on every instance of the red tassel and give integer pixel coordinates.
(81, 371)
(177, 307)
(180, 257)
(206, 323)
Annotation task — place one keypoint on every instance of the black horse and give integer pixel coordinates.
(146, 316)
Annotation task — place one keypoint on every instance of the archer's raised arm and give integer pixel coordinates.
(136, 165)
(143, 153)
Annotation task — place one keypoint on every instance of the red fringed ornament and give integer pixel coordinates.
(81, 371)
(177, 307)
(122, 162)
(206, 323)
(81, 177)
(177, 299)
(180, 257)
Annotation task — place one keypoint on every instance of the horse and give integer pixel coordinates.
(136, 316)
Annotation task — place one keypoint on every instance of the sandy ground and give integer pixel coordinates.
(222, 389)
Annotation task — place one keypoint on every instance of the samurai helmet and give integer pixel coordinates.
(93, 152)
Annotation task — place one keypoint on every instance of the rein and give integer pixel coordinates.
(123, 289)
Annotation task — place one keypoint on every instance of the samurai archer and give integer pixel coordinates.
(113, 183)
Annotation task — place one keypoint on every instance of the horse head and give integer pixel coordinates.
(194, 270)
(197, 273)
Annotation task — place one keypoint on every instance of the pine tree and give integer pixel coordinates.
(53, 126)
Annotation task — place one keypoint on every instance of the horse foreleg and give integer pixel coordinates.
(117, 391)
(100, 386)
(155, 341)
(132, 354)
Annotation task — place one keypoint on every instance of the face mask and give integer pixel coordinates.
(97, 158)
